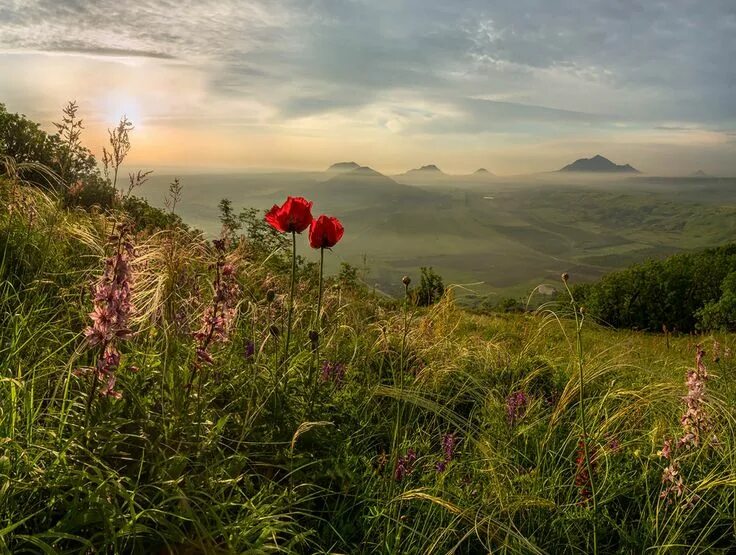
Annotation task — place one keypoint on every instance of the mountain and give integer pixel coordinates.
(343, 167)
(482, 171)
(429, 169)
(362, 177)
(364, 187)
(699, 173)
(598, 164)
(366, 171)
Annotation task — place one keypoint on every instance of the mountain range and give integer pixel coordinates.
(596, 164)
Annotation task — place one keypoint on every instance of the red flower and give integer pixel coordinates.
(325, 232)
(294, 215)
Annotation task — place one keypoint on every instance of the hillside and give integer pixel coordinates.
(527, 224)
(409, 418)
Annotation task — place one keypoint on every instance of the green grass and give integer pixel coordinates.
(256, 460)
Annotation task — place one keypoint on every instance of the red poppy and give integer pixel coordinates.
(325, 232)
(294, 215)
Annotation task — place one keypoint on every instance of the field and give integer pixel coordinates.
(498, 236)
(397, 429)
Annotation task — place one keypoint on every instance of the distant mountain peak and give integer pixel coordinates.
(482, 171)
(699, 173)
(598, 163)
(365, 171)
(343, 167)
(360, 175)
(429, 168)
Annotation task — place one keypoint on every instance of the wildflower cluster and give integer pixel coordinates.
(220, 314)
(582, 475)
(405, 465)
(333, 372)
(695, 422)
(112, 309)
(720, 351)
(449, 443)
(673, 486)
(516, 406)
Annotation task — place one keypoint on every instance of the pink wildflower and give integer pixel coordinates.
(111, 310)
(694, 421)
(219, 316)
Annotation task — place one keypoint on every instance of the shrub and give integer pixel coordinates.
(431, 288)
(657, 293)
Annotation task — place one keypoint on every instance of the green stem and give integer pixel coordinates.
(317, 328)
(291, 296)
(581, 404)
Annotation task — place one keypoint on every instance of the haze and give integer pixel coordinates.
(514, 87)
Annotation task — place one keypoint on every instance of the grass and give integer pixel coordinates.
(252, 461)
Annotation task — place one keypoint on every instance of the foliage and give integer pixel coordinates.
(431, 288)
(61, 163)
(24, 141)
(670, 292)
(720, 314)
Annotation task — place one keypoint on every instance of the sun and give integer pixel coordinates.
(118, 105)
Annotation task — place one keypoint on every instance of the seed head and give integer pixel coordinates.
(565, 276)
(406, 280)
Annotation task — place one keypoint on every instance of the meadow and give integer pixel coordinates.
(187, 425)
(498, 236)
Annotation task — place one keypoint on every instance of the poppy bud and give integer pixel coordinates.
(314, 338)
(565, 277)
(406, 280)
(219, 244)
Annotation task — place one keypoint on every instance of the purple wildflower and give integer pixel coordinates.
(219, 316)
(250, 350)
(449, 443)
(405, 465)
(516, 406)
(448, 446)
(333, 372)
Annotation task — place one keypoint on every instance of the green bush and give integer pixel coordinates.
(657, 293)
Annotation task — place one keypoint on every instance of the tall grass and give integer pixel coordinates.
(258, 460)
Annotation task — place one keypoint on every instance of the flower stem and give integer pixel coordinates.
(291, 296)
(579, 318)
(317, 328)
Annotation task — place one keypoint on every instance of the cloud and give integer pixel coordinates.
(107, 51)
(415, 67)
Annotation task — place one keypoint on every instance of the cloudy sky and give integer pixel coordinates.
(515, 86)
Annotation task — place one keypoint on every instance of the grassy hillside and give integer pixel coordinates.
(413, 431)
(506, 236)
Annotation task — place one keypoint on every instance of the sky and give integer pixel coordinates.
(513, 86)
